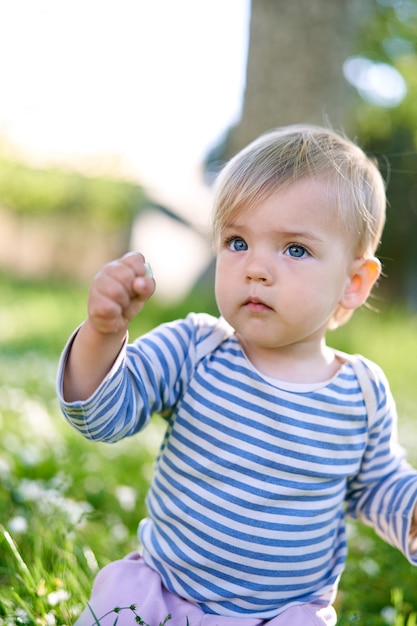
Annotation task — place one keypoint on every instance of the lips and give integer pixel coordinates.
(256, 304)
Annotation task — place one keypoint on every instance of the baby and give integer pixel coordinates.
(273, 436)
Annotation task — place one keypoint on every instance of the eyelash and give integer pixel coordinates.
(305, 251)
(299, 246)
(230, 240)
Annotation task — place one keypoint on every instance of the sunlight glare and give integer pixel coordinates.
(378, 83)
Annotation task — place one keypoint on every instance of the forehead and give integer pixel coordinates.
(307, 202)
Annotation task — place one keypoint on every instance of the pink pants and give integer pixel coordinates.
(130, 582)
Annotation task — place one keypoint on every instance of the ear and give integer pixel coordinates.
(362, 277)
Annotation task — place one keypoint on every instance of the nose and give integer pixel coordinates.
(257, 269)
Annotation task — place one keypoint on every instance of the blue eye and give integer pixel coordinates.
(297, 251)
(236, 244)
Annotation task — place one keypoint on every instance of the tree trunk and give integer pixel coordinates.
(295, 66)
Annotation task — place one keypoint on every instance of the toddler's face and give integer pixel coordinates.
(283, 267)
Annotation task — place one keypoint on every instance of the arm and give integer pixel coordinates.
(117, 295)
(383, 494)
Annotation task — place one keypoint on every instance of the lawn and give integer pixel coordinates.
(68, 506)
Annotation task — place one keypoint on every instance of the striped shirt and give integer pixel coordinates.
(255, 476)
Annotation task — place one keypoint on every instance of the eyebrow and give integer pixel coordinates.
(287, 234)
(299, 234)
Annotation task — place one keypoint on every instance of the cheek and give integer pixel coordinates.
(335, 286)
(222, 283)
(217, 278)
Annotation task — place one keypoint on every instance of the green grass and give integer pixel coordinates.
(69, 506)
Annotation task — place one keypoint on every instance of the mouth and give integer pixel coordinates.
(256, 305)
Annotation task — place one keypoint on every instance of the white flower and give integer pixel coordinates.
(126, 497)
(55, 597)
(50, 619)
(18, 524)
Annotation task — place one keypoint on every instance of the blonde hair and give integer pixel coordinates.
(286, 155)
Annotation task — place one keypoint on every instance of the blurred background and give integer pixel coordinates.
(133, 92)
(114, 119)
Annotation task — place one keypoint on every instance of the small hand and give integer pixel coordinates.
(118, 293)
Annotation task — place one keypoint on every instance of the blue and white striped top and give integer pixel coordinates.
(255, 476)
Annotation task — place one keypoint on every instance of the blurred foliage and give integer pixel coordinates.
(35, 191)
(68, 507)
(39, 315)
(388, 35)
(373, 570)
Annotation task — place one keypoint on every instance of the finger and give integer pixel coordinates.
(136, 262)
(114, 285)
(120, 290)
(143, 283)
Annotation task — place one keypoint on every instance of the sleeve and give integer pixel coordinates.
(383, 494)
(148, 376)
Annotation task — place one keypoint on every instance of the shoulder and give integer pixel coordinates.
(365, 368)
(372, 380)
(209, 331)
(199, 333)
(206, 324)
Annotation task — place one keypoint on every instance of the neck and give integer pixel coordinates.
(298, 363)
